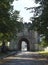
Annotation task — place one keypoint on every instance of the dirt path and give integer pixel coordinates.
(24, 58)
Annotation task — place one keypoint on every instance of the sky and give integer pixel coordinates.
(20, 6)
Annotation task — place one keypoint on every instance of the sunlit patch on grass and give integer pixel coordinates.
(43, 53)
(46, 49)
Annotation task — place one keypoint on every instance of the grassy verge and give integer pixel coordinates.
(44, 53)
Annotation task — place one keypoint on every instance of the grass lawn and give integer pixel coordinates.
(44, 53)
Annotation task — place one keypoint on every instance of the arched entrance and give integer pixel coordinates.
(20, 44)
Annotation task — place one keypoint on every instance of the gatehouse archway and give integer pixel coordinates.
(20, 44)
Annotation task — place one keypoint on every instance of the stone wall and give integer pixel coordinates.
(31, 36)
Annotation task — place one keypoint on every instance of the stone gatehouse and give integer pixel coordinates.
(30, 37)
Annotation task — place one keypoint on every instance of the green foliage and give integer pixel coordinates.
(40, 19)
(9, 23)
(8, 20)
(43, 43)
(43, 19)
(4, 18)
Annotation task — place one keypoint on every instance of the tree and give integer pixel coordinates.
(5, 8)
(8, 21)
(40, 18)
(18, 22)
(4, 18)
(43, 19)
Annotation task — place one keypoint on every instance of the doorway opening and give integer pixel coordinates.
(23, 45)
